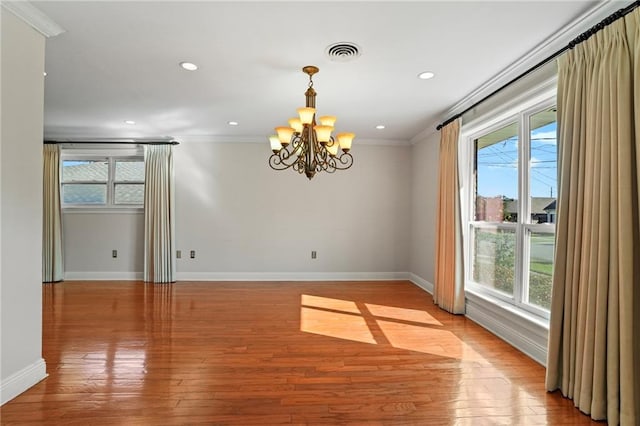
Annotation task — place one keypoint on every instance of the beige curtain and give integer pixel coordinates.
(594, 336)
(159, 216)
(52, 260)
(448, 292)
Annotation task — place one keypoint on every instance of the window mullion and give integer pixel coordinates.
(522, 213)
(111, 182)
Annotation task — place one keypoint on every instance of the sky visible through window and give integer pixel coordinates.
(498, 166)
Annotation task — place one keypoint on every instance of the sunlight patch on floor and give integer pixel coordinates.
(402, 328)
(329, 303)
(334, 324)
(402, 314)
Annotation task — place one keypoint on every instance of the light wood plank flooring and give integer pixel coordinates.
(267, 353)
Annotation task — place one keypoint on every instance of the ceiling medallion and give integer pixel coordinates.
(307, 147)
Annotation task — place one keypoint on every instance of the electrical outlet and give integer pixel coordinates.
(313, 254)
(114, 253)
(178, 254)
(192, 254)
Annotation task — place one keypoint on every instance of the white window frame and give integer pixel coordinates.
(518, 112)
(110, 156)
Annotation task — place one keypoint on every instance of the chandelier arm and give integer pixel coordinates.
(331, 165)
(327, 157)
(285, 158)
(277, 163)
(327, 164)
(301, 150)
(318, 156)
(344, 161)
(298, 166)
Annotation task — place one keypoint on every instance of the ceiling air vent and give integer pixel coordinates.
(343, 52)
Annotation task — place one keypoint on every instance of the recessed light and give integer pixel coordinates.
(426, 75)
(44, 73)
(380, 126)
(129, 122)
(232, 123)
(188, 66)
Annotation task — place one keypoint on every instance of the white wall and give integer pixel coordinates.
(21, 363)
(246, 221)
(424, 204)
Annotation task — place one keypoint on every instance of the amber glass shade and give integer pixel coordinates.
(276, 146)
(328, 120)
(332, 147)
(323, 133)
(345, 140)
(306, 114)
(296, 124)
(284, 134)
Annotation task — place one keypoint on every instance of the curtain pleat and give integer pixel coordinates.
(159, 217)
(448, 292)
(594, 335)
(52, 257)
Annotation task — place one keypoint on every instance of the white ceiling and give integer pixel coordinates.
(118, 61)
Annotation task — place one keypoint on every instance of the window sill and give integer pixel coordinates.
(523, 330)
(524, 315)
(103, 210)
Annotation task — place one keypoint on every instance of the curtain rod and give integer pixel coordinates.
(582, 37)
(115, 142)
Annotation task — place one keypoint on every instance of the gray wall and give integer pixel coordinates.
(21, 363)
(246, 221)
(424, 204)
(89, 239)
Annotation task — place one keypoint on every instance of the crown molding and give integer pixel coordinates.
(426, 133)
(236, 139)
(263, 140)
(221, 139)
(545, 49)
(34, 17)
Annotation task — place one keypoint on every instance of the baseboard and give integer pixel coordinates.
(244, 276)
(19, 382)
(421, 282)
(102, 276)
(291, 276)
(527, 335)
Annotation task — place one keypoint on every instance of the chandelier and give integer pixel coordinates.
(307, 147)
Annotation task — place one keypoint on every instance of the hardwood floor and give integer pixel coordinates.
(263, 353)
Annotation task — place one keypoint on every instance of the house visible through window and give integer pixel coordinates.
(106, 181)
(512, 223)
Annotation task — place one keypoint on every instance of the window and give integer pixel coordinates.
(513, 211)
(102, 181)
